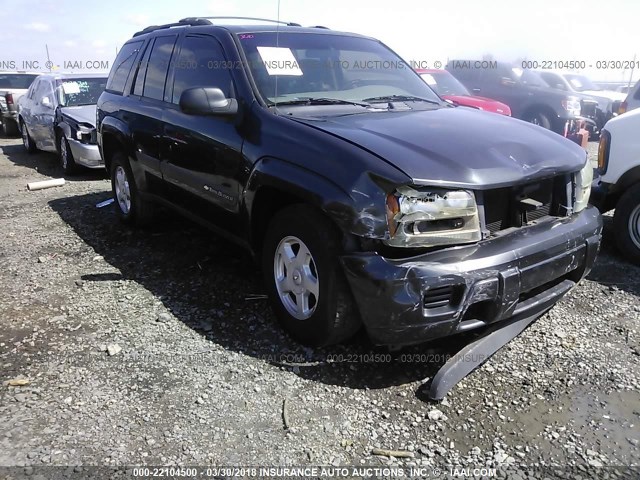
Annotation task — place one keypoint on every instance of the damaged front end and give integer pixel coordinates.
(473, 258)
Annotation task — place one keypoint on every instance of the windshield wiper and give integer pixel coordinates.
(400, 98)
(320, 101)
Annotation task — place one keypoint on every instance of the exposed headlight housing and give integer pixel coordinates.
(582, 187)
(432, 217)
(83, 133)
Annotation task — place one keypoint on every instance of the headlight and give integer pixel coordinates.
(572, 106)
(583, 181)
(432, 217)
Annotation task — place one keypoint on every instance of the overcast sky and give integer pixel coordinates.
(421, 30)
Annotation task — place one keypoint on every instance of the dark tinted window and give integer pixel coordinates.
(17, 81)
(158, 67)
(140, 74)
(122, 66)
(201, 64)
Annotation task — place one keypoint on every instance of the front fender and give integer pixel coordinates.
(360, 210)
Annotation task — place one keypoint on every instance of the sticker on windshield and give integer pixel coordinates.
(279, 61)
(70, 88)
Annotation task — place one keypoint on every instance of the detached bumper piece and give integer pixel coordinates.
(464, 288)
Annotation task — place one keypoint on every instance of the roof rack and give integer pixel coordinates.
(185, 21)
(289, 24)
(321, 26)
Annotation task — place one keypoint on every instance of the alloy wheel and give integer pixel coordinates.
(296, 278)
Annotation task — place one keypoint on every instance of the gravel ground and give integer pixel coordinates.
(157, 347)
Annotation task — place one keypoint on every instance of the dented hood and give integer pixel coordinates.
(457, 146)
(81, 113)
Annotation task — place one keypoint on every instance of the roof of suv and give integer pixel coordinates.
(62, 75)
(268, 26)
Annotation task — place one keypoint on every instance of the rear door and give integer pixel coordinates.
(202, 155)
(147, 106)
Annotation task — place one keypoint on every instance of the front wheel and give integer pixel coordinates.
(130, 206)
(626, 224)
(305, 283)
(67, 162)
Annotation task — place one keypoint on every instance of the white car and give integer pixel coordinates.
(617, 183)
(632, 101)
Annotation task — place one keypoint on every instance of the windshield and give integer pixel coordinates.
(529, 77)
(581, 83)
(444, 83)
(74, 92)
(16, 81)
(298, 65)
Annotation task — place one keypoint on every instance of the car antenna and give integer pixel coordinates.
(277, 46)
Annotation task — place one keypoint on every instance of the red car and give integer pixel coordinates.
(449, 88)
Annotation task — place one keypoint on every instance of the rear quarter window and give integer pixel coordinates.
(122, 67)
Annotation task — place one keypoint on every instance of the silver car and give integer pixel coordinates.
(58, 114)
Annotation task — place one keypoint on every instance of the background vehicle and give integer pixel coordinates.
(367, 199)
(617, 184)
(528, 96)
(607, 101)
(632, 100)
(12, 86)
(449, 88)
(58, 115)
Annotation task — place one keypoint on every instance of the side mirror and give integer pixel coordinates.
(207, 101)
(45, 102)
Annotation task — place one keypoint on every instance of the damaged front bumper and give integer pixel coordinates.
(86, 154)
(459, 289)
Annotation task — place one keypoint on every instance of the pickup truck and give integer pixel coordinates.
(617, 180)
(12, 86)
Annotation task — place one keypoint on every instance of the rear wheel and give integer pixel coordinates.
(626, 224)
(130, 206)
(305, 283)
(540, 119)
(10, 128)
(27, 141)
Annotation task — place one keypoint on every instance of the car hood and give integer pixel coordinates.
(482, 103)
(457, 146)
(83, 113)
(610, 94)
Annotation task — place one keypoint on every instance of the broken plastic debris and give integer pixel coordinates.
(55, 182)
(18, 382)
(108, 201)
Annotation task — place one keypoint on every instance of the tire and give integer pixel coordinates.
(27, 141)
(331, 316)
(10, 128)
(65, 155)
(626, 224)
(130, 206)
(540, 119)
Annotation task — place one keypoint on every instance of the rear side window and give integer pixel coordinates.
(122, 66)
(201, 64)
(158, 66)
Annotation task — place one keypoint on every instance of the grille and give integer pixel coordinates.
(439, 296)
(520, 205)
